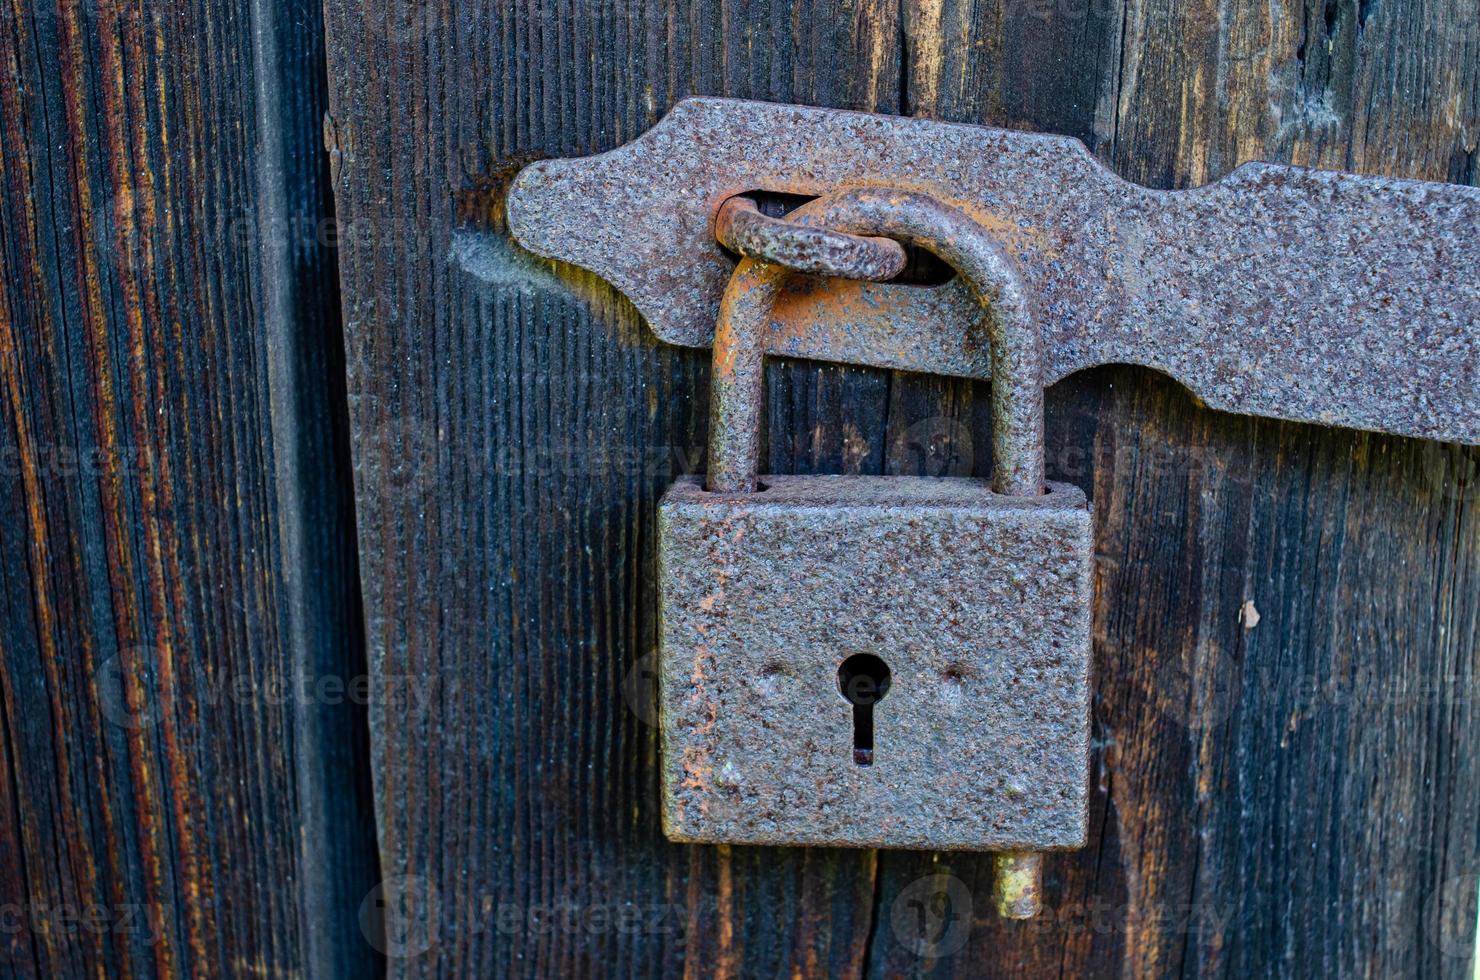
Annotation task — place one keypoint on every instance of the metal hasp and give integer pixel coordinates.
(1277, 291)
(971, 602)
(904, 662)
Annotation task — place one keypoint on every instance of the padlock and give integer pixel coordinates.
(879, 661)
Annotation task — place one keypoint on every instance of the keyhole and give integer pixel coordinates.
(864, 680)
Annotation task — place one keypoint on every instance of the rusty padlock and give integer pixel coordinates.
(879, 661)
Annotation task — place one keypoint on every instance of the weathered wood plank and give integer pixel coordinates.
(514, 424)
(509, 566)
(175, 542)
(1290, 797)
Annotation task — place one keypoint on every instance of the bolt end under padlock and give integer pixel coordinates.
(1017, 884)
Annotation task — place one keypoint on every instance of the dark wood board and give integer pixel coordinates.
(176, 532)
(1264, 804)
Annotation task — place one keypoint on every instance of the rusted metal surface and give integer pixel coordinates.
(737, 377)
(1278, 291)
(977, 602)
(1017, 884)
(742, 228)
(1005, 310)
(774, 596)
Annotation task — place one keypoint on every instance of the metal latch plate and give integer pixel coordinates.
(1280, 291)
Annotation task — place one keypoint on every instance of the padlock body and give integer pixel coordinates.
(978, 603)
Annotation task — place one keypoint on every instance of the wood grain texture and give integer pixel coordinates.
(1291, 797)
(175, 534)
(514, 426)
(1262, 806)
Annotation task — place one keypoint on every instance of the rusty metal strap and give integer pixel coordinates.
(1278, 291)
(741, 227)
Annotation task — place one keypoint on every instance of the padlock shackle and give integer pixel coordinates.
(737, 380)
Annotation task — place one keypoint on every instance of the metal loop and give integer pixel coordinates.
(736, 403)
(742, 228)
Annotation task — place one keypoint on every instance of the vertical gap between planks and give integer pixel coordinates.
(337, 860)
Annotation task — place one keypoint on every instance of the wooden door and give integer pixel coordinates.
(176, 525)
(205, 494)
(1264, 802)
